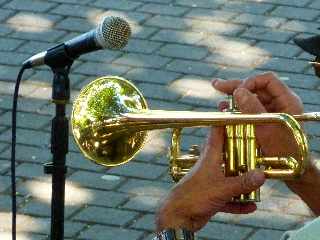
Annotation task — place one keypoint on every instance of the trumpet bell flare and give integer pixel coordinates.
(96, 109)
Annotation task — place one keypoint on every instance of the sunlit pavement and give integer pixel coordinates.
(177, 47)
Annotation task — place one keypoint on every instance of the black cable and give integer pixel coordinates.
(13, 152)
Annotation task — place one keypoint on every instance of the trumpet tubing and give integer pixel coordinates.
(110, 120)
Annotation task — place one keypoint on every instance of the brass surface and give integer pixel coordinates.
(110, 120)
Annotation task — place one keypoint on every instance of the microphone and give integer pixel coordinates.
(112, 33)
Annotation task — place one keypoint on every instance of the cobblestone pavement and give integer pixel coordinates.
(177, 47)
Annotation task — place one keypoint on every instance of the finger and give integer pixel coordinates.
(264, 97)
(268, 82)
(214, 147)
(247, 102)
(226, 86)
(248, 182)
(239, 208)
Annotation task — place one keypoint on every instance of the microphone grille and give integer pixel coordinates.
(113, 33)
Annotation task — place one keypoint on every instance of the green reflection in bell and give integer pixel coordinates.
(96, 120)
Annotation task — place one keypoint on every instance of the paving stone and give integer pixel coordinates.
(132, 17)
(3, 146)
(37, 33)
(285, 65)
(5, 30)
(266, 234)
(267, 34)
(106, 198)
(9, 73)
(25, 89)
(40, 209)
(142, 60)
(163, 9)
(298, 3)
(96, 180)
(301, 26)
(151, 75)
(183, 51)
(145, 187)
(25, 224)
(22, 236)
(233, 44)
(25, 104)
(26, 120)
(314, 4)
(192, 67)
(30, 5)
(224, 231)
(142, 203)
(277, 221)
(237, 59)
(28, 170)
(5, 13)
(100, 69)
(45, 78)
(139, 170)
(43, 20)
(314, 144)
(196, 90)
(178, 37)
(259, 20)
(34, 47)
(163, 21)
(75, 24)
(209, 14)
(4, 183)
(74, 10)
(164, 105)
(140, 32)
(29, 154)
(142, 46)
(78, 161)
(12, 58)
(101, 56)
(279, 49)
(99, 232)
(201, 4)
(155, 91)
(295, 13)
(228, 72)
(105, 216)
(24, 136)
(5, 203)
(147, 222)
(308, 96)
(72, 1)
(119, 5)
(251, 7)
(73, 228)
(219, 28)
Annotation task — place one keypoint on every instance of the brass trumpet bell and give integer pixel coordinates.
(110, 120)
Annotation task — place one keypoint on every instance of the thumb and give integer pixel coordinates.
(246, 183)
(248, 102)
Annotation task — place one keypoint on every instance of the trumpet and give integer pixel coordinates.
(110, 120)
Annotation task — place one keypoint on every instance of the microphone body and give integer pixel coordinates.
(112, 33)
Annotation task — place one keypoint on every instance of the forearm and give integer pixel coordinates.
(308, 188)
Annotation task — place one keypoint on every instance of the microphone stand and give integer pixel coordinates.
(59, 141)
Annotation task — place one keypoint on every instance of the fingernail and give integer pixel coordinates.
(213, 83)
